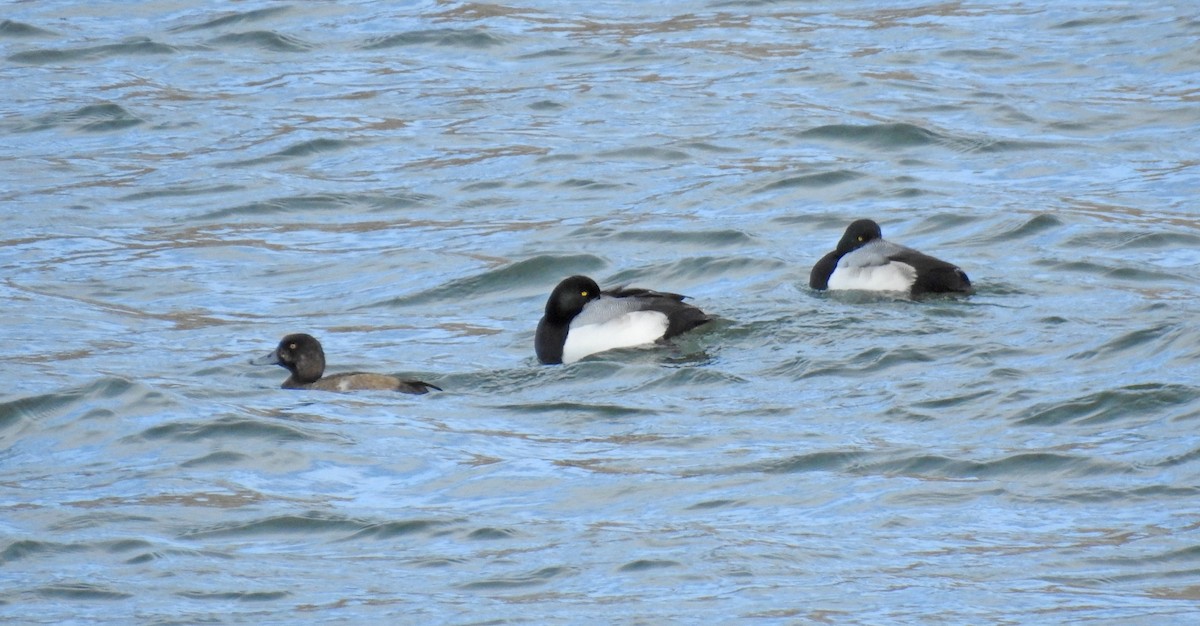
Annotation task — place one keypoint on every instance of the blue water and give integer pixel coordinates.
(184, 183)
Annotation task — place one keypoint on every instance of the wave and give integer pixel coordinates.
(264, 40)
(93, 118)
(462, 38)
(133, 47)
(233, 18)
(537, 275)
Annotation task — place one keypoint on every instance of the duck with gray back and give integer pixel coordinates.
(303, 356)
(580, 319)
(865, 260)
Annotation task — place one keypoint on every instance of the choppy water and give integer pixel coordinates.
(185, 183)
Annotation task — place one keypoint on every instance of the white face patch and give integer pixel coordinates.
(631, 329)
(893, 276)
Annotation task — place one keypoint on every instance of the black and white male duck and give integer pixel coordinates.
(581, 319)
(865, 260)
(303, 356)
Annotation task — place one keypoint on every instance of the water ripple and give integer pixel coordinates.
(233, 18)
(133, 47)
(1124, 403)
(232, 429)
(11, 29)
(93, 118)
(538, 275)
(305, 525)
(815, 180)
(81, 592)
(534, 578)
(877, 135)
(328, 202)
(465, 38)
(263, 39)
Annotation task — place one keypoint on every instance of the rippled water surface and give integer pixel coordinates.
(184, 183)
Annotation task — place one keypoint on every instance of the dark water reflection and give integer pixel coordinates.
(185, 184)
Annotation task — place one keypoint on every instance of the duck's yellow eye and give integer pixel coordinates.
(291, 346)
(583, 293)
(860, 237)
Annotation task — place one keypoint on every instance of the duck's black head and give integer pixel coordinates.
(569, 298)
(301, 354)
(858, 234)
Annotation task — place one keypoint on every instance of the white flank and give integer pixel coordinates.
(893, 276)
(631, 329)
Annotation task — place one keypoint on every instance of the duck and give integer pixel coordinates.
(580, 319)
(302, 355)
(865, 260)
